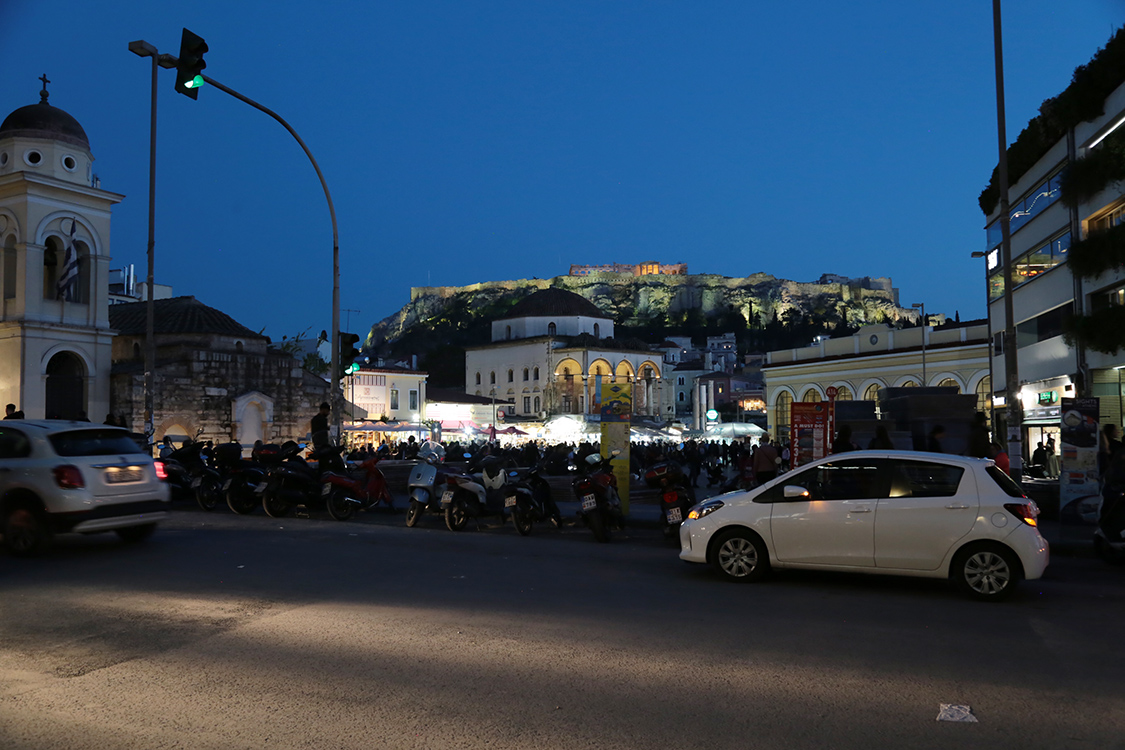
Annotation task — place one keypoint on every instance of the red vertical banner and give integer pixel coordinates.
(808, 432)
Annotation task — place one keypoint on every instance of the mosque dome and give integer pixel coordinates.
(555, 302)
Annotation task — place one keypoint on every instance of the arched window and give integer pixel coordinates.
(872, 392)
(526, 374)
(811, 396)
(984, 395)
(536, 373)
(238, 346)
(551, 329)
(478, 378)
(536, 403)
(782, 407)
(909, 384)
(511, 376)
(492, 377)
(680, 395)
(508, 332)
(949, 383)
(52, 258)
(843, 393)
(597, 331)
(136, 350)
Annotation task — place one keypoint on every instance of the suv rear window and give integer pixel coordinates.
(93, 442)
(1005, 482)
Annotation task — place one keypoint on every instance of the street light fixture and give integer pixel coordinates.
(922, 306)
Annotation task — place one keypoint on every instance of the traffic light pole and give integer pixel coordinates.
(168, 61)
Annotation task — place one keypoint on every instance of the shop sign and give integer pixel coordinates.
(1048, 397)
(808, 434)
(1078, 484)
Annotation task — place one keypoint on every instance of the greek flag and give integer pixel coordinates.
(67, 286)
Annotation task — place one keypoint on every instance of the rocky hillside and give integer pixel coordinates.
(635, 302)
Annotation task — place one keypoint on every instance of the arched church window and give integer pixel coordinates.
(136, 350)
(51, 254)
(492, 377)
(551, 329)
(536, 373)
(478, 378)
(10, 267)
(597, 330)
(526, 374)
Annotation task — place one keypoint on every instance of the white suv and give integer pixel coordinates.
(58, 477)
(902, 513)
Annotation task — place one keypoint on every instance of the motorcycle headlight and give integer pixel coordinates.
(704, 508)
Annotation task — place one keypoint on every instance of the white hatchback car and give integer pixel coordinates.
(79, 477)
(896, 512)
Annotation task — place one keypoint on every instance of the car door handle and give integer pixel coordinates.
(957, 507)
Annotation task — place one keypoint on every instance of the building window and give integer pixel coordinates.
(478, 378)
(1027, 209)
(597, 331)
(413, 400)
(949, 383)
(811, 396)
(984, 394)
(872, 392)
(537, 404)
(536, 373)
(526, 374)
(843, 393)
(782, 407)
(492, 377)
(680, 380)
(551, 329)
(511, 376)
(526, 404)
(508, 332)
(394, 399)
(680, 396)
(1042, 327)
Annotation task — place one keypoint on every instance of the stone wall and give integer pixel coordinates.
(196, 388)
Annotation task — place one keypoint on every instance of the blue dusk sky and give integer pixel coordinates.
(474, 141)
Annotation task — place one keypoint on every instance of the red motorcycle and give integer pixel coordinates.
(676, 498)
(600, 505)
(349, 491)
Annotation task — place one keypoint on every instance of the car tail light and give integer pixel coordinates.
(161, 471)
(1026, 512)
(671, 497)
(69, 477)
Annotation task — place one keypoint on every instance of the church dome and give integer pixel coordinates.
(44, 121)
(555, 302)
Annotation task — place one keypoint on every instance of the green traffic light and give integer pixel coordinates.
(194, 83)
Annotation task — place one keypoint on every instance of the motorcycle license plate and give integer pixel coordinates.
(196, 482)
(325, 489)
(674, 515)
(226, 485)
(589, 502)
(447, 497)
(509, 502)
(260, 488)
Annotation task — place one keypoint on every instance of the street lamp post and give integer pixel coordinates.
(922, 306)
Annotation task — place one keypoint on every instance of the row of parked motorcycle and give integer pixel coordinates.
(277, 478)
(281, 481)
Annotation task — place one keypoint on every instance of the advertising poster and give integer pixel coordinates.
(1079, 497)
(808, 432)
(617, 414)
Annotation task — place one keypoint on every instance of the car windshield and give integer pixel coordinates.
(93, 442)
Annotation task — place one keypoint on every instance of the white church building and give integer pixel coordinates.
(54, 351)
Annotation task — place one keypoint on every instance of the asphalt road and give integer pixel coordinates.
(246, 632)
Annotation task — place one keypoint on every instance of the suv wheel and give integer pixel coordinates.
(25, 531)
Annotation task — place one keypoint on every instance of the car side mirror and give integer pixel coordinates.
(793, 491)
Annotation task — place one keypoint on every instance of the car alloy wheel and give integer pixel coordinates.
(988, 573)
(740, 556)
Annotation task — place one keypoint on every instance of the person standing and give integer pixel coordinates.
(843, 442)
(881, 441)
(319, 427)
(765, 461)
(979, 443)
(11, 412)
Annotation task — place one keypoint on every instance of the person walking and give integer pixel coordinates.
(319, 427)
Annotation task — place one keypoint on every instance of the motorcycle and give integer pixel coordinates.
(533, 501)
(427, 481)
(675, 495)
(189, 476)
(600, 505)
(477, 496)
(344, 488)
(294, 483)
(241, 476)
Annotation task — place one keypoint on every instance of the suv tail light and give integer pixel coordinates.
(1026, 512)
(161, 471)
(69, 477)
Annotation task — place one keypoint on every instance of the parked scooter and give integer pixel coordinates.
(477, 496)
(359, 490)
(675, 495)
(240, 476)
(533, 501)
(600, 505)
(190, 477)
(428, 480)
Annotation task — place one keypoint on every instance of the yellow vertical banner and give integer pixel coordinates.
(616, 416)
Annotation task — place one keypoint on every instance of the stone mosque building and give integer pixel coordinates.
(72, 354)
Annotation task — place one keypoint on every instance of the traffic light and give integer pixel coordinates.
(189, 69)
(348, 353)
